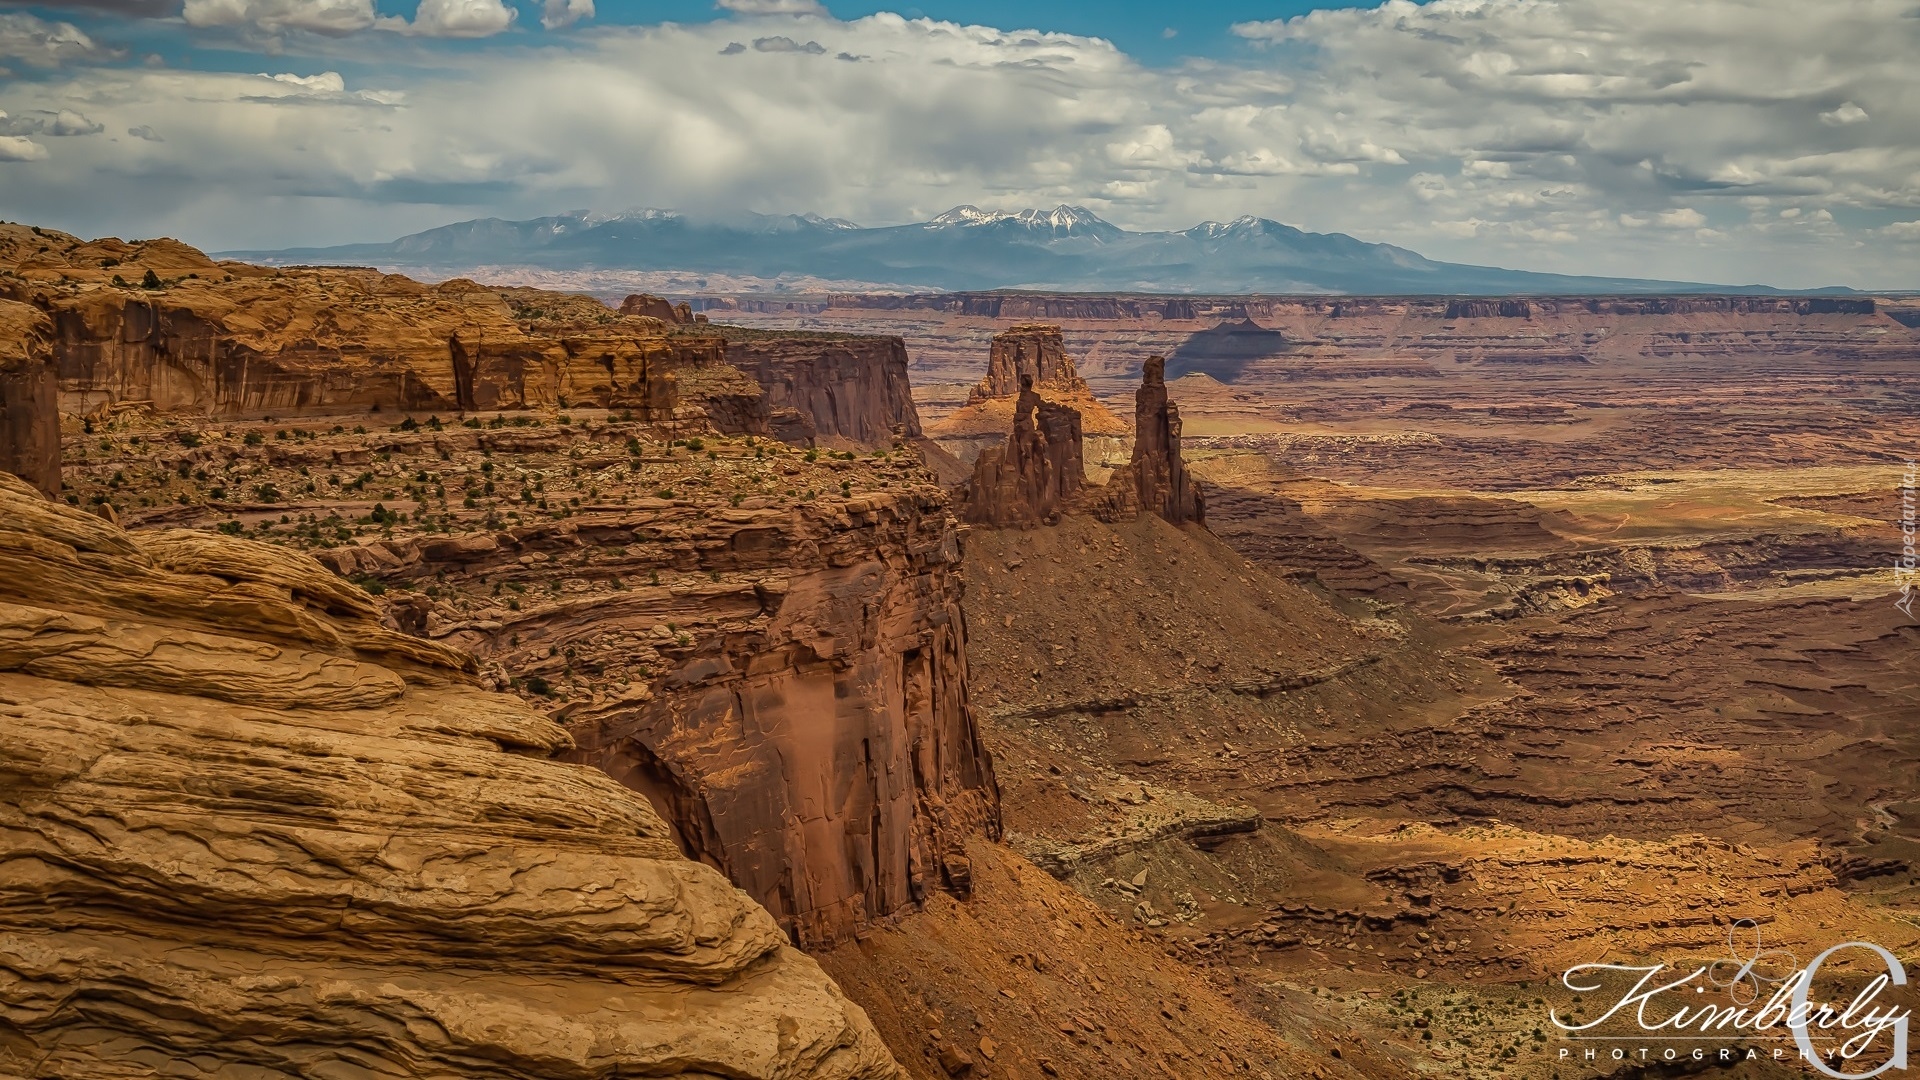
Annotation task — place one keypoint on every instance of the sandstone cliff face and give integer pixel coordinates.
(813, 738)
(161, 324)
(231, 340)
(29, 413)
(775, 657)
(840, 391)
(249, 828)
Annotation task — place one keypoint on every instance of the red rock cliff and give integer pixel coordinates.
(839, 390)
(29, 413)
(785, 679)
(160, 323)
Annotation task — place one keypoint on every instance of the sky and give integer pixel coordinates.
(1731, 141)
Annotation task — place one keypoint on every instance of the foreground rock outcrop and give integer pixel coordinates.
(29, 413)
(249, 828)
(765, 641)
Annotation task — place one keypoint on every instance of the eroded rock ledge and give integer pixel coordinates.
(249, 827)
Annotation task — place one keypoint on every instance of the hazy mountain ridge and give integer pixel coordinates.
(967, 248)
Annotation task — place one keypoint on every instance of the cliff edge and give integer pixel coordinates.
(250, 827)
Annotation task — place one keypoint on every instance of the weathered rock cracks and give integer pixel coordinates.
(29, 412)
(1159, 479)
(1039, 473)
(1022, 361)
(250, 828)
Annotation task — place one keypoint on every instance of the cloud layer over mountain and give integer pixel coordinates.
(1719, 140)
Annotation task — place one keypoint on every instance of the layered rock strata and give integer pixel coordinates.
(249, 828)
(810, 733)
(1028, 359)
(160, 326)
(29, 413)
(765, 641)
(838, 390)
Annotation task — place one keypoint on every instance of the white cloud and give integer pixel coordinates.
(329, 17)
(1902, 230)
(145, 133)
(461, 18)
(327, 82)
(560, 13)
(21, 148)
(46, 44)
(1849, 113)
(772, 7)
(1576, 135)
(64, 122)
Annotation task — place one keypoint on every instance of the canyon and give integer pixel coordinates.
(1395, 655)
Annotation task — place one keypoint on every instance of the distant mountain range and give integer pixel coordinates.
(1067, 248)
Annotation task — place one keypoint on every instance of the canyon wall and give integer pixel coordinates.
(783, 675)
(250, 828)
(29, 413)
(227, 339)
(1110, 337)
(841, 390)
(159, 324)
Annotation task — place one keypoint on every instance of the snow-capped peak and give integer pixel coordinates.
(643, 214)
(968, 214)
(1060, 222)
(828, 222)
